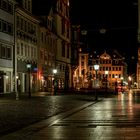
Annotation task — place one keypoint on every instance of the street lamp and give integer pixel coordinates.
(122, 84)
(129, 81)
(54, 81)
(96, 68)
(29, 73)
(106, 79)
(17, 83)
(116, 84)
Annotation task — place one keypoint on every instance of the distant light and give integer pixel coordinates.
(129, 78)
(132, 57)
(35, 69)
(96, 67)
(28, 66)
(106, 72)
(135, 3)
(54, 71)
(84, 32)
(102, 31)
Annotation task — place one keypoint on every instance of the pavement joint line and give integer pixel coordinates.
(33, 128)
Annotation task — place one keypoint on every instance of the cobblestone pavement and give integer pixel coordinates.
(116, 118)
(16, 114)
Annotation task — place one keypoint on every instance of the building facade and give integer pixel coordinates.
(47, 52)
(26, 43)
(138, 62)
(63, 31)
(61, 28)
(75, 45)
(7, 43)
(112, 69)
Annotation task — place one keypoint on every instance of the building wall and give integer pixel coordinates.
(63, 56)
(26, 50)
(110, 70)
(46, 52)
(138, 63)
(6, 46)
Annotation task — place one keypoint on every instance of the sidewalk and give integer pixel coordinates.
(108, 119)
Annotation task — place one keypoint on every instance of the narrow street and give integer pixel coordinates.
(108, 118)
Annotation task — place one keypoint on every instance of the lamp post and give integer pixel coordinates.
(116, 84)
(122, 84)
(96, 68)
(129, 81)
(29, 73)
(106, 79)
(17, 83)
(54, 81)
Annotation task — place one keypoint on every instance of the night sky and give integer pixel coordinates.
(118, 17)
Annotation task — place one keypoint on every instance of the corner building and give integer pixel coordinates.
(7, 44)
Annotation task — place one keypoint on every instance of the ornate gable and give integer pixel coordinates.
(105, 56)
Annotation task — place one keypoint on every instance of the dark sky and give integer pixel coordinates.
(118, 17)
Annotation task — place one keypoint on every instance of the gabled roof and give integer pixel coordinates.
(108, 55)
(43, 7)
(105, 56)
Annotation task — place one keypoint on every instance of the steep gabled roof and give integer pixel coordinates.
(114, 54)
(43, 7)
(105, 56)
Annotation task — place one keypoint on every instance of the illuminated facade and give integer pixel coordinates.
(112, 68)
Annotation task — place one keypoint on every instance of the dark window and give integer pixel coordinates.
(119, 68)
(63, 26)
(63, 49)
(113, 76)
(0, 50)
(9, 53)
(10, 8)
(90, 68)
(18, 25)
(4, 27)
(82, 63)
(4, 5)
(68, 31)
(3, 52)
(0, 26)
(10, 29)
(68, 51)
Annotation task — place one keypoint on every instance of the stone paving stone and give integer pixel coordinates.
(108, 119)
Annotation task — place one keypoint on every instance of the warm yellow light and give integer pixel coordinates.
(129, 78)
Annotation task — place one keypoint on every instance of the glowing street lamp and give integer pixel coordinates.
(96, 68)
(106, 74)
(54, 71)
(29, 73)
(116, 84)
(122, 83)
(54, 80)
(129, 81)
